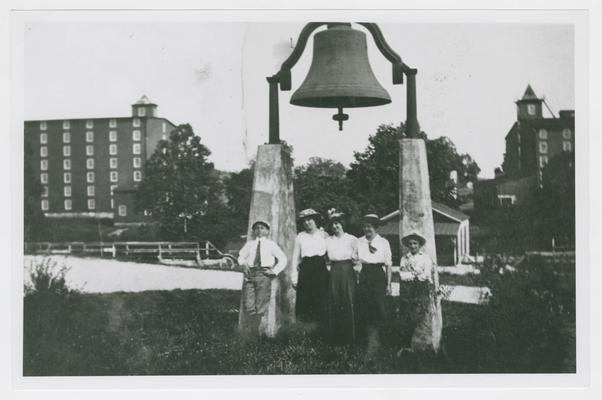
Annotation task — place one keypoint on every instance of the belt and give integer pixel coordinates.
(372, 264)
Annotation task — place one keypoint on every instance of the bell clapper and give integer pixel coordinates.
(340, 116)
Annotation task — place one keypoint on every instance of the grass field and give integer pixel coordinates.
(525, 328)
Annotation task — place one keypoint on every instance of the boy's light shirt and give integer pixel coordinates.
(270, 252)
(419, 264)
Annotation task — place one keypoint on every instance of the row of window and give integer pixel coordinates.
(91, 177)
(136, 162)
(68, 205)
(566, 146)
(90, 190)
(136, 149)
(566, 134)
(90, 123)
(136, 135)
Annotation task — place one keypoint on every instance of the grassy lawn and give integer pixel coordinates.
(193, 332)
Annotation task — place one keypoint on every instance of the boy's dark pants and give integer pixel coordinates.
(257, 288)
(414, 297)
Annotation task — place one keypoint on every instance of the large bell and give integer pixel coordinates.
(340, 75)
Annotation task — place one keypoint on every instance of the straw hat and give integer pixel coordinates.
(413, 236)
(307, 213)
(371, 219)
(260, 222)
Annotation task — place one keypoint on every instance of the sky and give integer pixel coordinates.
(212, 75)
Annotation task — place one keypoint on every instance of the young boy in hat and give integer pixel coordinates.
(415, 294)
(261, 260)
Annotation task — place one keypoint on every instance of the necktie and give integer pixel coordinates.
(257, 261)
(371, 248)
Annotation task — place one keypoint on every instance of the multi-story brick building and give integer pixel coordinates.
(533, 140)
(530, 143)
(91, 167)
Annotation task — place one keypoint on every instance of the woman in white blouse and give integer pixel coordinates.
(374, 253)
(341, 249)
(309, 273)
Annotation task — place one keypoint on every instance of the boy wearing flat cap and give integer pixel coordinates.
(414, 295)
(261, 260)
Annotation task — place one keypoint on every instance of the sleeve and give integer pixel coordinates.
(295, 261)
(387, 253)
(429, 267)
(355, 258)
(243, 254)
(403, 263)
(280, 256)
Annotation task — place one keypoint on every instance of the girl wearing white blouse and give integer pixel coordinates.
(309, 272)
(341, 249)
(374, 253)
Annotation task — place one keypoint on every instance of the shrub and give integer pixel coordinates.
(46, 277)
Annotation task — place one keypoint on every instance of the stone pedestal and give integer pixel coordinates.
(273, 201)
(417, 215)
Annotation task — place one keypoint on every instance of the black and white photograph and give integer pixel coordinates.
(227, 193)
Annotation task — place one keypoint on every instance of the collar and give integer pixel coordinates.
(374, 239)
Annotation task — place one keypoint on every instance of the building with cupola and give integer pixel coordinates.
(91, 167)
(532, 141)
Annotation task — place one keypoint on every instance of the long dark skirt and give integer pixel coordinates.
(371, 293)
(312, 291)
(342, 298)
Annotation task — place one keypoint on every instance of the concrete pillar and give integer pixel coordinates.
(417, 215)
(273, 201)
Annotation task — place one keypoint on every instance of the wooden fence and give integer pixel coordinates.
(162, 251)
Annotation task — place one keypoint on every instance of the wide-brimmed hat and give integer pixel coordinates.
(260, 222)
(413, 236)
(308, 213)
(371, 219)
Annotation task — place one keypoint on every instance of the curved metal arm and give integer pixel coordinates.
(284, 75)
(399, 68)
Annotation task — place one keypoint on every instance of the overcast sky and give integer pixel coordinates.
(212, 75)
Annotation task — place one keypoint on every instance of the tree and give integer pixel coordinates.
(374, 175)
(555, 201)
(238, 189)
(322, 184)
(443, 158)
(181, 189)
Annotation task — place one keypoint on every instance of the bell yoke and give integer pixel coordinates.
(340, 75)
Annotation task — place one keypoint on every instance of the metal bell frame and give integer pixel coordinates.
(399, 69)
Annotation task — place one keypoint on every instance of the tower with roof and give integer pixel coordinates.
(532, 141)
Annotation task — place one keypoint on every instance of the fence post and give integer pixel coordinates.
(114, 250)
(160, 256)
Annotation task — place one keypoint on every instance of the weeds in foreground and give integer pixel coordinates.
(528, 326)
(46, 277)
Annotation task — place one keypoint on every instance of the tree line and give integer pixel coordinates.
(189, 199)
